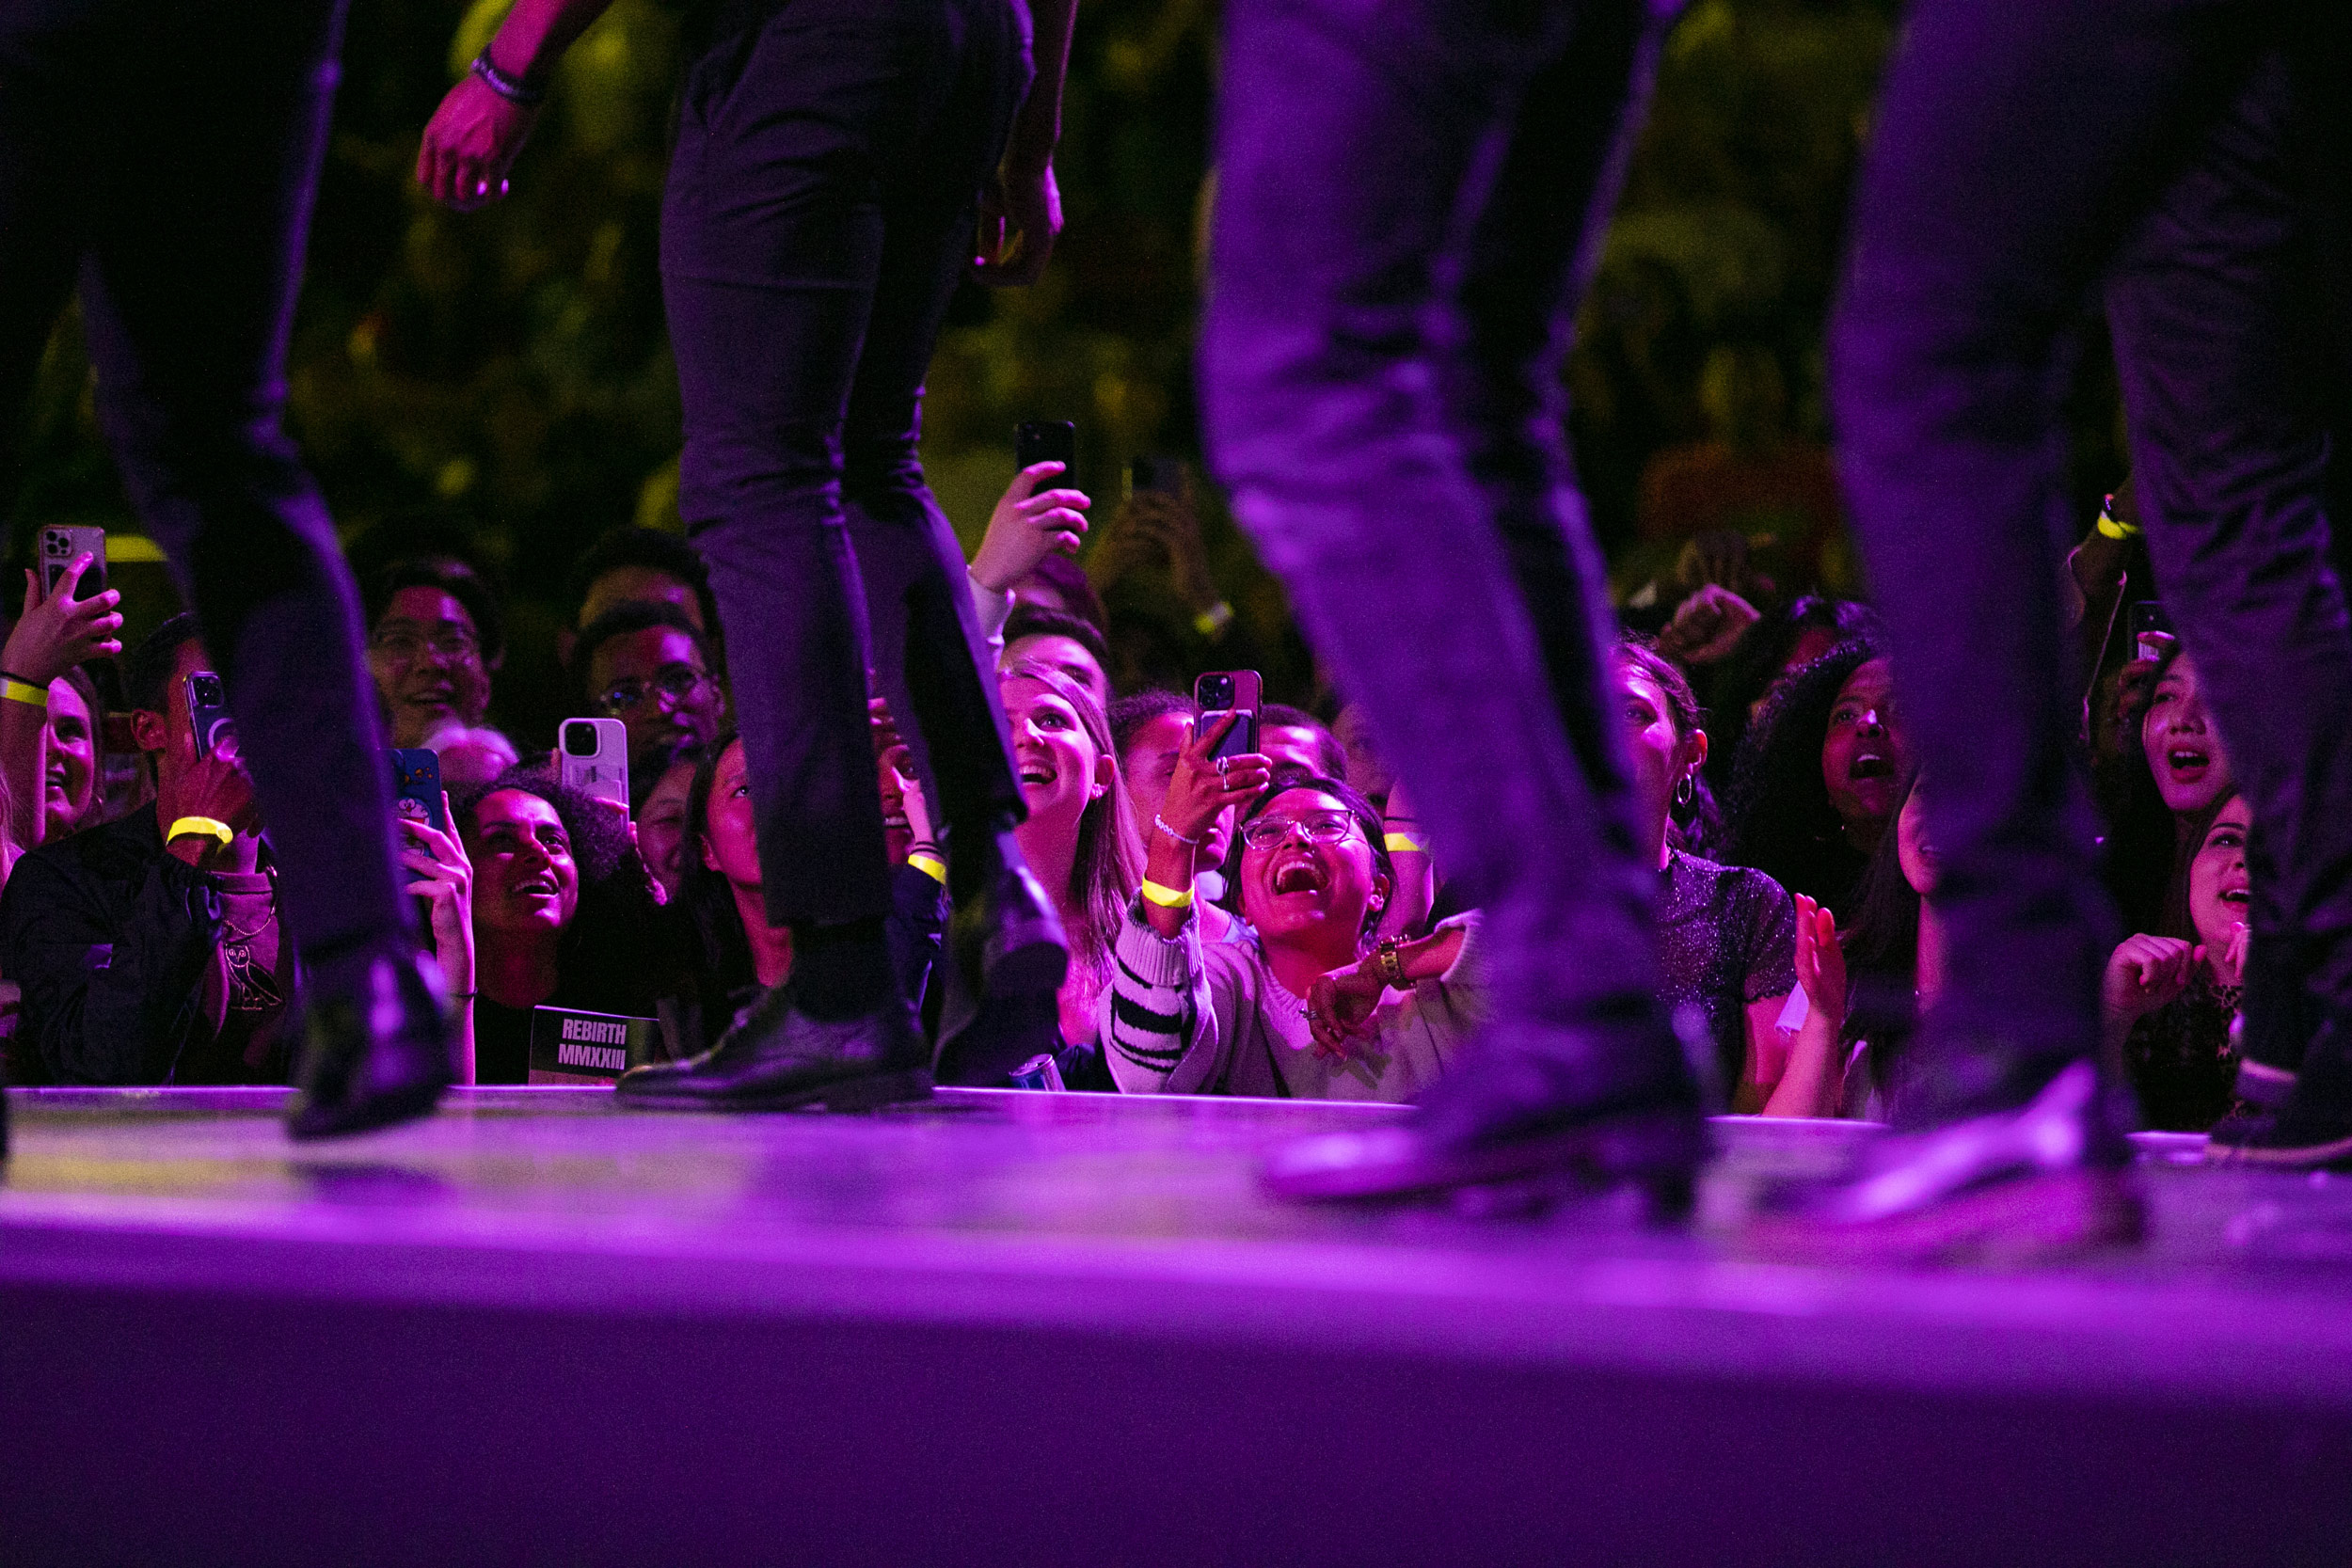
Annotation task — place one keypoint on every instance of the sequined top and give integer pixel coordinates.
(1727, 937)
(2180, 1060)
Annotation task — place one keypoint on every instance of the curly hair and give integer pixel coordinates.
(1781, 820)
(617, 941)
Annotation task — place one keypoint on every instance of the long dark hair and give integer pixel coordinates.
(724, 949)
(1693, 826)
(2145, 858)
(1758, 660)
(1781, 820)
(1882, 949)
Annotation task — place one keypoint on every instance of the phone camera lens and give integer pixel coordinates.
(579, 740)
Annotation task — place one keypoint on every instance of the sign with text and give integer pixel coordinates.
(570, 1045)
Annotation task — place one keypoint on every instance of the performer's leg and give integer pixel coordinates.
(198, 221)
(774, 233)
(2230, 389)
(1406, 209)
(48, 129)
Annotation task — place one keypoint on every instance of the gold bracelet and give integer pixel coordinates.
(27, 693)
(1166, 898)
(186, 827)
(1392, 963)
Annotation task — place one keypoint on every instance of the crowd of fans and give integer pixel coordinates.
(1268, 922)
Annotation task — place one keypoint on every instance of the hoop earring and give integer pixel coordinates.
(1686, 792)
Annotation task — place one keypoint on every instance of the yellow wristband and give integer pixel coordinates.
(1166, 898)
(929, 866)
(186, 825)
(1402, 844)
(23, 691)
(2114, 530)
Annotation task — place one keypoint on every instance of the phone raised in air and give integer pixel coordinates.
(592, 757)
(59, 545)
(1222, 690)
(417, 793)
(209, 720)
(1046, 442)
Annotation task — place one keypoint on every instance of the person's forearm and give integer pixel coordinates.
(1170, 867)
(1037, 130)
(1431, 957)
(1810, 1084)
(23, 766)
(536, 32)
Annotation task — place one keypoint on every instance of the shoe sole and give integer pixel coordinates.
(844, 1094)
(310, 1120)
(2035, 1219)
(1660, 1150)
(2303, 1157)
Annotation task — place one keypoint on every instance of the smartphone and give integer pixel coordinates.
(2152, 629)
(1160, 475)
(1046, 442)
(1221, 689)
(417, 792)
(594, 758)
(209, 719)
(59, 546)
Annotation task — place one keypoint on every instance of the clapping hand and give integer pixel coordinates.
(1821, 962)
(2145, 973)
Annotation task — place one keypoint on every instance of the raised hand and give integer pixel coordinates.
(470, 142)
(58, 631)
(1200, 790)
(2145, 973)
(1028, 525)
(440, 858)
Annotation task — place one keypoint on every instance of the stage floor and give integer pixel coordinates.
(1008, 1327)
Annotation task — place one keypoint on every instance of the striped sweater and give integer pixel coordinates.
(1183, 1017)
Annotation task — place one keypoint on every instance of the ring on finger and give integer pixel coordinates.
(1221, 765)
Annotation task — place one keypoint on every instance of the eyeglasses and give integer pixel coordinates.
(447, 643)
(1323, 827)
(678, 682)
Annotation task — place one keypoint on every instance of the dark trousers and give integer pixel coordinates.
(1410, 196)
(2022, 154)
(168, 154)
(819, 213)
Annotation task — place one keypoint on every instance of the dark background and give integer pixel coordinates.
(504, 378)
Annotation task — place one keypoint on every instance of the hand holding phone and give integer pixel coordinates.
(593, 759)
(1239, 691)
(210, 722)
(59, 629)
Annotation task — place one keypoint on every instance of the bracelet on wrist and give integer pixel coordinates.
(201, 827)
(16, 688)
(1392, 960)
(1164, 897)
(929, 866)
(1161, 822)
(517, 90)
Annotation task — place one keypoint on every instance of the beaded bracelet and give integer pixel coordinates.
(514, 89)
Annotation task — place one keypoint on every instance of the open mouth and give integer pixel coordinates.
(1299, 873)
(2187, 760)
(1870, 765)
(2237, 897)
(895, 820)
(1036, 774)
(535, 887)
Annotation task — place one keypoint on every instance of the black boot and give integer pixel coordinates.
(1532, 1112)
(376, 1043)
(779, 1058)
(2050, 1179)
(2311, 1127)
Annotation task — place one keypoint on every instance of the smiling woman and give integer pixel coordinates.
(1317, 1009)
(563, 914)
(434, 636)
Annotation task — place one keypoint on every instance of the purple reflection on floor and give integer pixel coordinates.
(1045, 1328)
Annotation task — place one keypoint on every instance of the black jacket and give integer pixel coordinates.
(110, 938)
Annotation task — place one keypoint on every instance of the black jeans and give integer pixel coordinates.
(168, 154)
(819, 213)
(2024, 154)
(1410, 196)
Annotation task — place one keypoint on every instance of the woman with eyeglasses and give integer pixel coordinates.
(1318, 1009)
(434, 637)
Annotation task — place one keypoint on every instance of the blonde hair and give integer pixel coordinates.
(1108, 865)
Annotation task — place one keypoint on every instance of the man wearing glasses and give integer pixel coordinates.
(646, 665)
